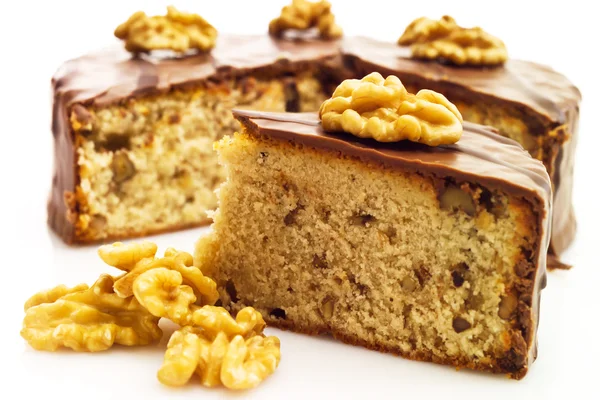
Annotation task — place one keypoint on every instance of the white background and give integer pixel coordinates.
(38, 36)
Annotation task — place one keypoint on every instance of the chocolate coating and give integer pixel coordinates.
(113, 74)
(481, 156)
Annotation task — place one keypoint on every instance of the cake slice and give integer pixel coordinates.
(433, 253)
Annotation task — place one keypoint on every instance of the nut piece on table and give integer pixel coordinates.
(248, 322)
(89, 320)
(176, 31)
(382, 109)
(235, 362)
(51, 295)
(303, 15)
(445, 40)
(247, 363)
(126, 256)
(137, 258)
(204, 288)
(162, 293)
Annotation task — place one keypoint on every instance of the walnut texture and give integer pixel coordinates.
(233, 361)
(382, 109)
(445, 40)
(126, 256)
(177, 31)
(426, 29)
(51, 295)
(303, 15)
(137, 258)
(220, 349)
(91, 319)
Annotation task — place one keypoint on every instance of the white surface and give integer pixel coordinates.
(40, 35)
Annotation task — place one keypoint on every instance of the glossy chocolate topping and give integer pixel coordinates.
(527, 84)
(480, 156)
(113, 74)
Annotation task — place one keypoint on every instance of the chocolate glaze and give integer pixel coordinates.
(481, 156)
(112, 75)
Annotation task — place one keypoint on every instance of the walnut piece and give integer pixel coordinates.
(125, 310)
(177, 31)
(51, 295)
(126, 256)
(91, 319)
(154, 284)
(248, 322)
(383, 110)
(445, 40)
(233, 361)
(303, 15)
(425, 30)
(162, 293)
(137, 258)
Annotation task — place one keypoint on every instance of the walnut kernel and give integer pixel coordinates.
(89, 320)
(445, 40)
(232, 360)
(425, 29)
(382, 109)
(177, 31)
(122, 167)
(126, 256)
(454, 198)
(303, 15)
(508, 306)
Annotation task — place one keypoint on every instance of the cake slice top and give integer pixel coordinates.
(113, 74)
(530, 85)
(481, 154)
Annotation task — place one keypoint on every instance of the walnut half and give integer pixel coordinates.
(445, 40)
(87, 319)
(382, 109)
(177, 31)
(303, 15)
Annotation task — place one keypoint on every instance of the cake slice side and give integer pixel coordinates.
(400, 258)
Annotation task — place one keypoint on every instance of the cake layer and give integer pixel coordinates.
(433, 253)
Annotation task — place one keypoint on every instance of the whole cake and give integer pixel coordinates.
(133, 133)
(432, 253)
